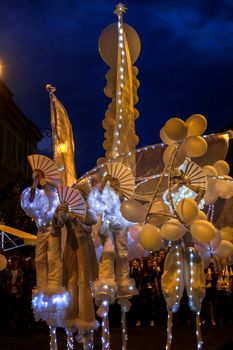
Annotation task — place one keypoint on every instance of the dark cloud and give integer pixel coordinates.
(185, 65)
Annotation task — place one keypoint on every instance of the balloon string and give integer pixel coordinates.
(198, 331)
(159, 183)
(53, 338)
(169, 330)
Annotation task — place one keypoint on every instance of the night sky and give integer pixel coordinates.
(185, 65)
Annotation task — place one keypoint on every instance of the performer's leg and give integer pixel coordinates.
(55, 271)
(41, 262)
(126, 285)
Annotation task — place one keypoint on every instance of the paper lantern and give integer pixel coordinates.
(196, 124)
(3, 262)
(150, 237)
(195, 146)
(203, 231)
(176, 129)
(224, 250)
(172, 230)
(133, 211)
(209, 170)
(187, 209)
(179, 158)
(165, 139)
(155, 216)
(222, 167)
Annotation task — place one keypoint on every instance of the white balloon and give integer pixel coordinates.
(179, 158)
(187, 209)
(195, 146)
(209, 170)
(172, 230)
(176, 129)
(3, 262)
(197, 125)
(150, 237)
(203, 231)
(224, 250)
(201, 215)
(222, 167)
(224, 187)
(155, 213)
(204, 253)
(165, 139)
(217, 240)
(133, 211)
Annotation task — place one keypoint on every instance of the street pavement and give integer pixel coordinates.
(140, 338)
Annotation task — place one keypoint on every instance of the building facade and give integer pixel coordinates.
(18, 138)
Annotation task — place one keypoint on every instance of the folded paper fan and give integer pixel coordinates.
(74, 199)
(45, 168)
(121, 178)
(193, 177)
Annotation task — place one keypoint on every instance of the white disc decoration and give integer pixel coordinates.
(3, 262)
(224, 250)
(172, 230)
(133, 211)
(121, 178)
(203, 231)
(187, 210)
(108, 43)
(74, 199)
(45, 167)
(150, 237)
(193, 177)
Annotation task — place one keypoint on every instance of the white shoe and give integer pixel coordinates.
(152, 324)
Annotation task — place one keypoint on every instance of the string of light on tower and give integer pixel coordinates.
(120, 9)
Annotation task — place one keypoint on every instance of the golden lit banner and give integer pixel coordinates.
(17, 233)
(63, 141)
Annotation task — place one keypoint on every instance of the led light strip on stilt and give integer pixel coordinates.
(53, 338)
(198, 331)
(69, 340)
(169, 330)
(124, 328)
(105, 339)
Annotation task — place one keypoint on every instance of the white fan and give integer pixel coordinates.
(192, 176)
(45, 168)
(121, 178)
(74, 199)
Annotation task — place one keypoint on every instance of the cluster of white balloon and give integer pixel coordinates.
(171, 221)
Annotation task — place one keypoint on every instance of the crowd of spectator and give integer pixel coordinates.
(148, 307)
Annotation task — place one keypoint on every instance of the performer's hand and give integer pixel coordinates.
(62, 207)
